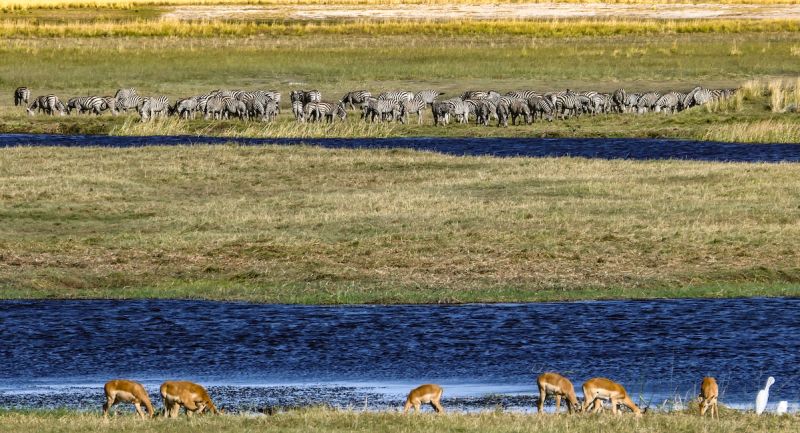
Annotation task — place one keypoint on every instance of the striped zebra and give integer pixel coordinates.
(397, 96)
(519, 107)
(49, 104)
(84, 104)
(297, 110)
(523, 94)
(383, 109)
(316, 111)
(356, 97)
(21, 96)
(669, 103)
(567, 103)
(455, 107)
(214, 107)
(233, 107)
(618, 100)
(503, 111)
(127, 99)
(428, 95)
(479, 94)
(415, 106)
(698, 96)
(154, 106)
(306, 96)
(542, 107)
(631, 101)
(647, 101)
(111, 103)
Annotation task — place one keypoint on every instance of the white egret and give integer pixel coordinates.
(763, 395)
(783, 407)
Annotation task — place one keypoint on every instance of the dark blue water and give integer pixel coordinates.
(657, 349)
(607, 148)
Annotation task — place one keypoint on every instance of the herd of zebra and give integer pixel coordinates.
(308, 106)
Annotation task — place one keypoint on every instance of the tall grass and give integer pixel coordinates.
(763, 131)
(548, 28)
(16, 5)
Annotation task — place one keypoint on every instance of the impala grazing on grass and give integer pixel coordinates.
(190, 395)
(709, 392)
(560, 386)
(600, 388)
(127, 391)
(428, 393)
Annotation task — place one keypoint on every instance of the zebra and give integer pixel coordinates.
(618, 99)
(647, 101)
(48, 104)
(523, 94)
(94, 104)
(478, 94)
(306, 96)
(519, 107)
(356, 97)
(111, 103)
(542, 107)
(416, 106)
(566, 102)
(428, 95)
(669, 102)
(442, 110)
(382, 108)
(154, 106)
(698, 96)
(21, 96)
(483, 111)
(297, 110)
(631, 100)
(214, 107)
(503, 112)
(233, 107)
(315, 111)
(127, 99)
(398, 96)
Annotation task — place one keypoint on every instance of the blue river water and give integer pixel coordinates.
(253, 356)
(607, 148)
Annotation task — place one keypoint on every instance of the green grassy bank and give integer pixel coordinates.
(299, 224)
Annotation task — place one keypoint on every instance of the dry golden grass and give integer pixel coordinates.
(297, 224)
(130, 4)
(322, 420)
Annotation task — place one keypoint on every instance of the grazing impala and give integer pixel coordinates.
(601, 388)
(428, 393)
(709, 392)
(560, 386)
(126, 391)
(190, 395)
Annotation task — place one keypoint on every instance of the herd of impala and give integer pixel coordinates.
(195, 399)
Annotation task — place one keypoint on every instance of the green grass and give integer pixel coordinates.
(338, 63)
(308, 225)
(321, 420)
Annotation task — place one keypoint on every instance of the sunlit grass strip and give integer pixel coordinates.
(15, 5)
(537, 28)
(764, 131)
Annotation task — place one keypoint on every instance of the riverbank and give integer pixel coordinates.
(323, 420)
(308, 225)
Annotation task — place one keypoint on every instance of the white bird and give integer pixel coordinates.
(783, 407)
(763, 395)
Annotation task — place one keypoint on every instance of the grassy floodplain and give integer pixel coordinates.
(322, 420)
(309, 225)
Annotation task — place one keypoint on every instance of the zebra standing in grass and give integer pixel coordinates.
(698, 96)
(21, 96)
(397, 96)
(306, 96)
(541, 107)
(415, 106)
(647, 101)
(356, 97)
(618, 99)
(297, 110)
(127, 99)
(669, 103)
(83, 104)
(428, 95)
(154, 106)
(483, 111)
(316, 111)
(503, 112)
(186, 108)
(631, 101)
(519, 107)
(383, 109)
(566, 103)
(49, 104)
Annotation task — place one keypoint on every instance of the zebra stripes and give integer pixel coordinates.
(306, 96)
(396, 96)
(21, 96)
(154, 106)
(49, 104)
(356, 97)
(83, 104)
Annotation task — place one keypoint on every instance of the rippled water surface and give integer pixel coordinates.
(608, 148)
(58, 353)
